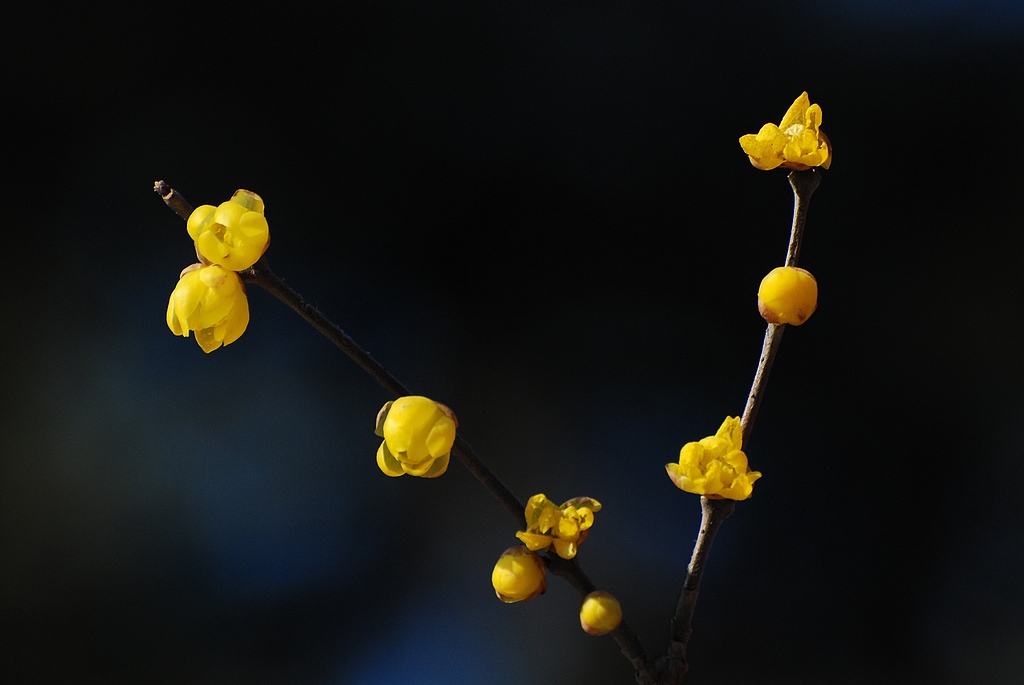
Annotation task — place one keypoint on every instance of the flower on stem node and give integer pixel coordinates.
(233, 235)
(716, 466)
(209, 300)
(562, 527)
(601, 613)
(796, 143)
(418, 437)
(787, 295)
(519, 575)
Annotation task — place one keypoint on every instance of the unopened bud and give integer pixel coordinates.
(519, 575)
(600, 613)
(787, 295)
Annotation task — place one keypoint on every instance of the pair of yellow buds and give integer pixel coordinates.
(210, 298)
(519, 576)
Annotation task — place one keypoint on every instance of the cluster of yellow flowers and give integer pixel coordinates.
(419, 433)
(210, 298)
(418, 436)
(519, 575)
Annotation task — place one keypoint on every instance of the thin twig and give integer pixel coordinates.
(714, 512)
(173, 199)
(804, 184)
(260, 274)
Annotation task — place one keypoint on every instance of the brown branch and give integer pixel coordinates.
(804, 184)
(173, 199)
(714, 512)
(260, 274)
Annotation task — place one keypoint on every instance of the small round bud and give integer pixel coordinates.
(600, 613)
(787, 295)
(519, 575)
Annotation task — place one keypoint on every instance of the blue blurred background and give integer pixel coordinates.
(538, 214)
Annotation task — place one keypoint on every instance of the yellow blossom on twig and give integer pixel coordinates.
(564, 527)
(788, 294)
(715, 466)
(796, 143)
(601, 613)
(519, 575)
(235, 234)
(418, 437)
(209, 300)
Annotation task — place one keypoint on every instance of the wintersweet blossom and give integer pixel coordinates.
(601, 613)
(209, 300)
(796, 143)
(519, 575)
(235, 234)
(715, 466)
(562, 527)
(418, 437)
(787, 295)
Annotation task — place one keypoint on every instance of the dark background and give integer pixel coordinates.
(539, 214)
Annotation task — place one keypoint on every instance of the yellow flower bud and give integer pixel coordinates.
(787, 295)
(235, 234)
(209, 300)
(600, 613)
(418, 437)
(715, 466)
(562, 528)
(519, 575)
(796, 143)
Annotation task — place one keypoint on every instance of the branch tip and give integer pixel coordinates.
(173, 199)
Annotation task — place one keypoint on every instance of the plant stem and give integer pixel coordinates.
(714, 512)
(260, 274)
(173, 199)
(804, 184)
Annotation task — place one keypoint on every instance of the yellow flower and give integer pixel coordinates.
(519, 575)
(796, 143)
(564, 527)
(715, 466)
(209, 300)
(601, 613)
(787, 295)
(418, 437)
(233, 235)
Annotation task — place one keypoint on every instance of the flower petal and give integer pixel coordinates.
(387, 462)
(438, 468)
(535, 541)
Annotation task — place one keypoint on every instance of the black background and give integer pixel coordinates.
(538, 214)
